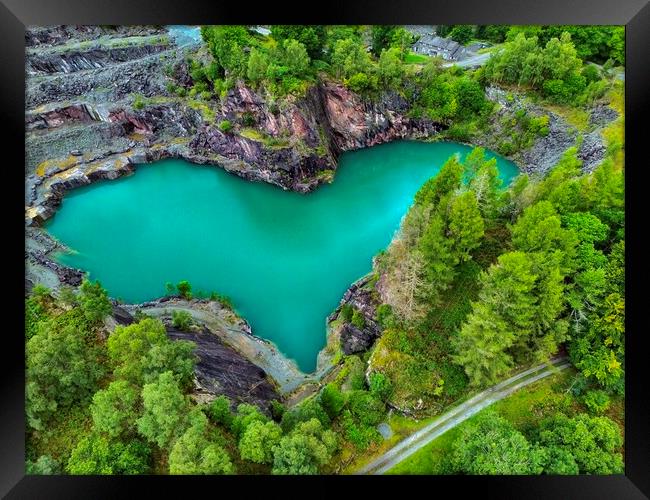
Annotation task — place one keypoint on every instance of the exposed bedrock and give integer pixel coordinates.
(362, 298)
(219, 369)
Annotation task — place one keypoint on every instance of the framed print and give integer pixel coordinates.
(387, 242)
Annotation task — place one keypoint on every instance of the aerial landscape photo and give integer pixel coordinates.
(310, 249)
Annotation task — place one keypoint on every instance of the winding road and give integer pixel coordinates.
(460, 413)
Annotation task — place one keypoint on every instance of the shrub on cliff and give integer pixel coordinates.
(182, 320)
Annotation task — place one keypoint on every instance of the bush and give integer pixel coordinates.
(365, 408)
(361, 82)
(248, 119)
(358, 319)
(381, 386)
(182, 320)
(225, 126)
(138, 102)
(332, 400)
(219, 411)
(597, 401)
(304, 412)
(184, 289)
(346, 312)
(277, 410)
(385, 316)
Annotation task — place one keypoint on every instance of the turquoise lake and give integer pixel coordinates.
(284, 258)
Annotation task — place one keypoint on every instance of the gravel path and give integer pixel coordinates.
(460, 413)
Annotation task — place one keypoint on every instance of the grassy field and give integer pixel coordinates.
(413, 58)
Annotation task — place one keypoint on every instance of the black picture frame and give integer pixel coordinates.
(634, 14)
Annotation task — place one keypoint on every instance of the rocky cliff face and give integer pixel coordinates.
(82, 124)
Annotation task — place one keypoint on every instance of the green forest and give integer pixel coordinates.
(480, 282)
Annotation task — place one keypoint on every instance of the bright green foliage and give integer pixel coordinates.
(219, 411)
(184, 287)
(366, 408)
(305, 450)
(182, 320)
(195, 453)
(446, 182)
(381, 386)
(391, 68)
(226, 44)
(114, 409)
(277, 410)
(358, 319)
(346, 312)
(165, 411)
(246, 415)
(62, 367)
(493, 446)
(225, 126)
(140, 352)
(35, 309)
(597, 401)
(486, 186)
(593, 43)
(94, 301)
(44, 465)
(558, 460)
(332, 400)
(311, 37)
(350, 58)
(296, 58)
(257, 65)
(258, 442)
(465, 225)
(539, 229)
(96, 454)
(555, 70)
(594, 442)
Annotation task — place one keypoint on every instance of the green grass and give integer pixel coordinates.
(413, 58)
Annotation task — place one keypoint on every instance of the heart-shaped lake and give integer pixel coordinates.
(285, 259)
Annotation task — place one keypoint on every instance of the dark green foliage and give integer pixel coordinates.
(446, 182)
(44, 465)
(492, 32)
(277, 410)
(555, 70)
(462, 33)
(332, 400)
(366, 408)
(182, 320)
